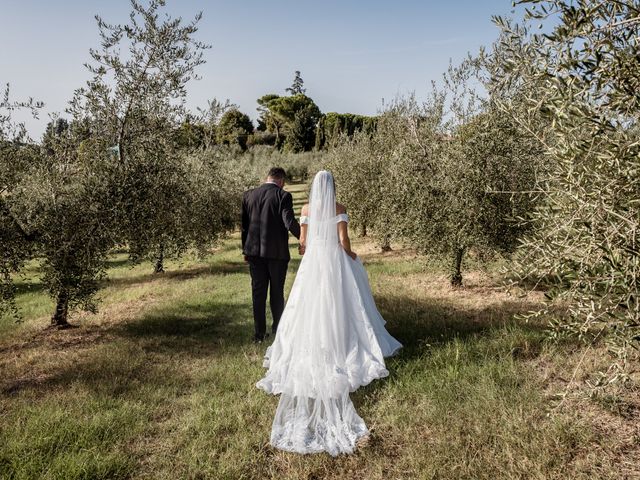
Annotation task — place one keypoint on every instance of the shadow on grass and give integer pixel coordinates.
(199, 328)
(214, 269)
(210, 328)
(219, 268)
(25, 287)
(418, 324)
(422, 323)
(231, 244)
(207, 327)
(157, 340)
(193, 329)
(119, 262)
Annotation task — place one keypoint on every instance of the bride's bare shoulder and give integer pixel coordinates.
(305, 209)
(340, 209)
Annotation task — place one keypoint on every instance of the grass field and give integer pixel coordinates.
(160, 384)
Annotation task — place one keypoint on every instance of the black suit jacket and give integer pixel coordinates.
(267, 217)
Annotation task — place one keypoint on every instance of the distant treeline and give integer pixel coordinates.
(291, 123)
(333, 125)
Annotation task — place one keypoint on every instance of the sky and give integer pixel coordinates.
(352, 54)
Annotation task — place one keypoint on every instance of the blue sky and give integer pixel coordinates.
(352, 54)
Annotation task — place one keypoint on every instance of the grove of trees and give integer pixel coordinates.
(530, 149)
(582, 74)
(544, 164)
(116, 174)
(291, 118)
(290, 123)
(296, 123)
(443, 176)
(333, 125)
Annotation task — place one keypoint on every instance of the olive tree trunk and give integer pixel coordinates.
(386, 244)
(159, 266)
(60, 315)
(456, 275)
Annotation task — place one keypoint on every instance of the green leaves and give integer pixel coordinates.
(291, 118)
(76, 197)
(584, 79)
(234, 128)
(421, 177)
(16, 235)
(333, 125)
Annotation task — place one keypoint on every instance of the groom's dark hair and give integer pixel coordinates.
(277, 173)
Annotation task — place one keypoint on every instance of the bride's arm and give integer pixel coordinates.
(303, 230)
(343, 235)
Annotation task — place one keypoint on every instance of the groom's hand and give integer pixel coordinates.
(301, 249)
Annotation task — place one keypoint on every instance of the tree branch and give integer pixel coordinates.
(29, 237)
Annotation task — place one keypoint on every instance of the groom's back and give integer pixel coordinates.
(267, 215)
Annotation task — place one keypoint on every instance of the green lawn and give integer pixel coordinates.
(160, 384)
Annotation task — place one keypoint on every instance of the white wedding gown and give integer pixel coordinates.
(331, 340)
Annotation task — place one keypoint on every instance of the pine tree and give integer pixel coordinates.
(297, 87)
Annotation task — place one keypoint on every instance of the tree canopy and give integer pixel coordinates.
(292, 118)
(581, 72)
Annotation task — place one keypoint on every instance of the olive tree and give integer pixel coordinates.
(64, 202)
(116, 175)
(369, 170)
(53, 211)
(581, 71)
(491, 168)
(16, 155)
(442, 176)
(358, 168)
(135, 100)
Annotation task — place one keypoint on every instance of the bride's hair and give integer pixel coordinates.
(328, 176)
(322, 211)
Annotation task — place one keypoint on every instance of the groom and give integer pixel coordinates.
(267, 217)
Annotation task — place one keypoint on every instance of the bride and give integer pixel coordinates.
(331, 339)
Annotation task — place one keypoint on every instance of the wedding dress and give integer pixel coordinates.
(331, 340)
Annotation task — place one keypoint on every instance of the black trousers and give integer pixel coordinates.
(267, 274)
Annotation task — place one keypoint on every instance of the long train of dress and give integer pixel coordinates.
(331, 341)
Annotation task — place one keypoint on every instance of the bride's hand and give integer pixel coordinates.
(353, 255)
